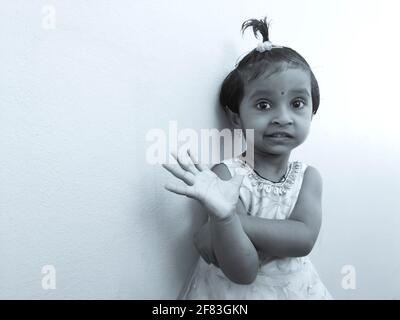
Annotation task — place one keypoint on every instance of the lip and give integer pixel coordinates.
(285, 135)
(278, 139)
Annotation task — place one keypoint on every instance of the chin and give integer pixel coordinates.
(276, 150)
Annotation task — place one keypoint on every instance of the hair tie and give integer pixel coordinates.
(266, 46)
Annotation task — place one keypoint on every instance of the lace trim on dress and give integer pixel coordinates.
(264, 185)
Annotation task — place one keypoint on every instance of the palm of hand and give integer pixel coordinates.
(218, 196)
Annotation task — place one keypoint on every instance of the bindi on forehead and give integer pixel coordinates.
(282, 93)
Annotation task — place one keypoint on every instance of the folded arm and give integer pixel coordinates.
(294, 237)
(234, 251)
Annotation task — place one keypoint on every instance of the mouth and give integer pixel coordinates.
(279, 135)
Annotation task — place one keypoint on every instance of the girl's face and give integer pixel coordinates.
(275, 103)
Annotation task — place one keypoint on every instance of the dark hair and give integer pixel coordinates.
(256, 63)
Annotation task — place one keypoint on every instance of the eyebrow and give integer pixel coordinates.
(270, 93)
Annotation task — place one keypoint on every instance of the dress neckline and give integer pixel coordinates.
(268, 186)
(274, 182)
(283, 179)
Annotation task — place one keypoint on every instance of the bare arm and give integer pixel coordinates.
(294, 237)
(235, 253)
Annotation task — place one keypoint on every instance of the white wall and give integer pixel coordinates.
(77, 101)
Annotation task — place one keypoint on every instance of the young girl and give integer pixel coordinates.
(264, 211)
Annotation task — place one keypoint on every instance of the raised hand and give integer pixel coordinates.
(218, 196)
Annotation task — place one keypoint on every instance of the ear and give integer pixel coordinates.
(233, 118)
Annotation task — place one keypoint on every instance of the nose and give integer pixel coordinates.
(282, 117)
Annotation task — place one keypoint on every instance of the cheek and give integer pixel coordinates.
(257, 121)
(305, 128)
(249, 122)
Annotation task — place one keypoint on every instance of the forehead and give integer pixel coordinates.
(292, 79)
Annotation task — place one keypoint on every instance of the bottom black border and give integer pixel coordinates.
(200, 309)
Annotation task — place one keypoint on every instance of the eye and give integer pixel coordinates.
(263, 105)
(298, 103)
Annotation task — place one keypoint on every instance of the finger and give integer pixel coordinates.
(174, 155)
(185, 176)
(185, 162)
(180, 189)
(192, 161)
(194, 157)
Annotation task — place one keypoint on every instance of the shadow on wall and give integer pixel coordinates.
(184, 246)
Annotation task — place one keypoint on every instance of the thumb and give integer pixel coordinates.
(237, 179)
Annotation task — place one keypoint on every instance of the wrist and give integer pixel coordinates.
(226, 218)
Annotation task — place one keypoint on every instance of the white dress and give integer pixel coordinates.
(278, 278)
